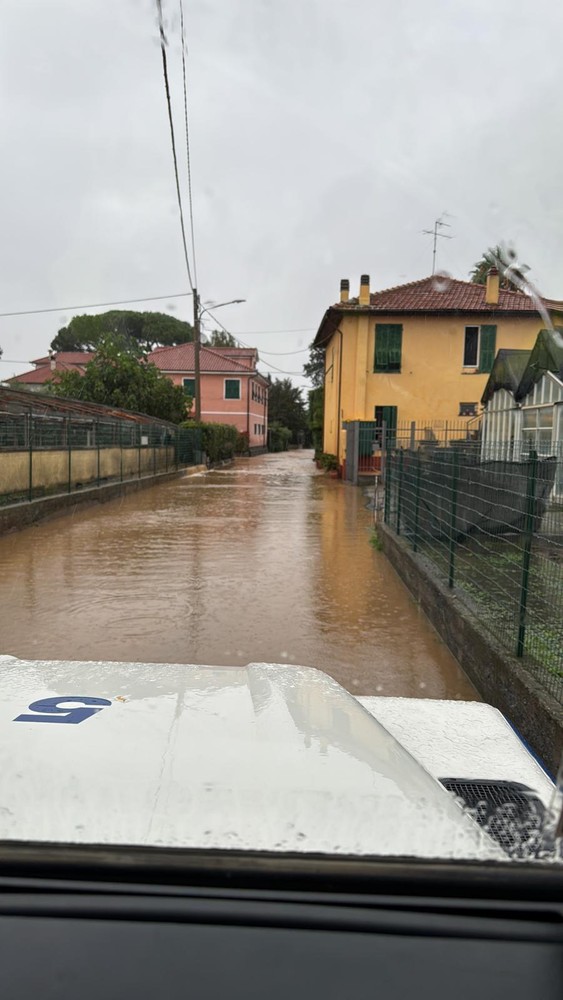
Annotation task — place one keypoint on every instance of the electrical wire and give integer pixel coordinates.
(268, 363)
(259, 333)
(303, 350)
(163, 44)
(93, 305)
(188, 158)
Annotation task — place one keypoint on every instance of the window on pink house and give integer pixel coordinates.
(232, 388)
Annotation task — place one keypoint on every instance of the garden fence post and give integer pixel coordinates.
(30, 446)
(386, 473)
(69, 449)
(527, 550)
(416, 504)
(400, 491)
(97, 432)
(453, 514)
(119, 424)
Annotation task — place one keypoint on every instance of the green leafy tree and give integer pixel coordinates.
(286, 407)
(316, 416)
(119, 376)
(220, 338)
(314, 368)
(511, 274)
(147, 330)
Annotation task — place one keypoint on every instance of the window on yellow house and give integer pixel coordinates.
(388, 344)
(479, 347)
(468, 409)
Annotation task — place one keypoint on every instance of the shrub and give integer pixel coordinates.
(329, 462)
(279, 437)
(218, 441)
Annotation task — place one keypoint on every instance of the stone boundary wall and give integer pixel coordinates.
(501, 679)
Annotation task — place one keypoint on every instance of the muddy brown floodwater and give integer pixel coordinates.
(265, 561)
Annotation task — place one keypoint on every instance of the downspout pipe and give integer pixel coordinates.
(339, 429)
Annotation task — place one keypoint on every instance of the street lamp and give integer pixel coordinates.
(198, 313)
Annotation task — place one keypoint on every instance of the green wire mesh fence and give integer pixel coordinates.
(45, 453)
(492, 529)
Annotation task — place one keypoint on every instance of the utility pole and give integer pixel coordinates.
(198, 313)
(197, 344)
(435, 233)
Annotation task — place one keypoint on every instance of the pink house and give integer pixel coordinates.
(47, 368)
(232, 390)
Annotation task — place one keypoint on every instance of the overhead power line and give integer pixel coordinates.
(281, 371)
(303, 350)
(163, 44)
(257, 333)
(94, 305)
(188, 157)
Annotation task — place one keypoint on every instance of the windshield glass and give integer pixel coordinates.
(281, 427)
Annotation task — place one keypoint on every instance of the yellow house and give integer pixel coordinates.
(418, 352)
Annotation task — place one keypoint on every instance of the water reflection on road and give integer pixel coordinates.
(265, 561)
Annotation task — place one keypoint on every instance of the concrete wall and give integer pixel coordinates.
(501, 679)
(50, 467)
(432, 381)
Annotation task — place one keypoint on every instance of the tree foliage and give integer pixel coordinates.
(146, 330)
(511, 274)
(314, 368)
(316, 416)
(279, 438)
(220, 338)
(286, 407)
(119, 376)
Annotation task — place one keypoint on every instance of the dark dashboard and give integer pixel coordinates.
(121, 926)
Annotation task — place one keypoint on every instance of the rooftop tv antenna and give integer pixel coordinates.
(439, 224)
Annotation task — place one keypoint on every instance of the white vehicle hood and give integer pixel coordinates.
(265, 757)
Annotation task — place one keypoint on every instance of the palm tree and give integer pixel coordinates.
(511, 274)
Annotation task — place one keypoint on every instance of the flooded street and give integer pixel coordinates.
(265, 561)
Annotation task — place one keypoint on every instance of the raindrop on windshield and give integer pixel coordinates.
(441, 281)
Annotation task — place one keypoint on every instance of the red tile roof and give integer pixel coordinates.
(436, 295)
(442, 294)
(67, 357)
(40, 375)
(181, 359)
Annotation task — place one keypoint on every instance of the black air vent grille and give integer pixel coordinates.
(510, 812)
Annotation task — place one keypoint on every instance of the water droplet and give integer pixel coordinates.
(441, 281)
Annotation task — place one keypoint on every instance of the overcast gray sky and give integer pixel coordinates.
(325, 135)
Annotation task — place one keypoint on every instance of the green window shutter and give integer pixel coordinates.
(395, 347)
(232, 388)
(388, 346)
(189, 387)
(487, 349)
(381, 348)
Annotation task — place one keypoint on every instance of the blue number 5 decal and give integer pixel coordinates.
(49, 709)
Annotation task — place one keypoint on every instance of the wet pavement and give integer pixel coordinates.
(268, 560)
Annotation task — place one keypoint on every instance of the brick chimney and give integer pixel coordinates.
(364, 290)
(344, 290)
(492, 287)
